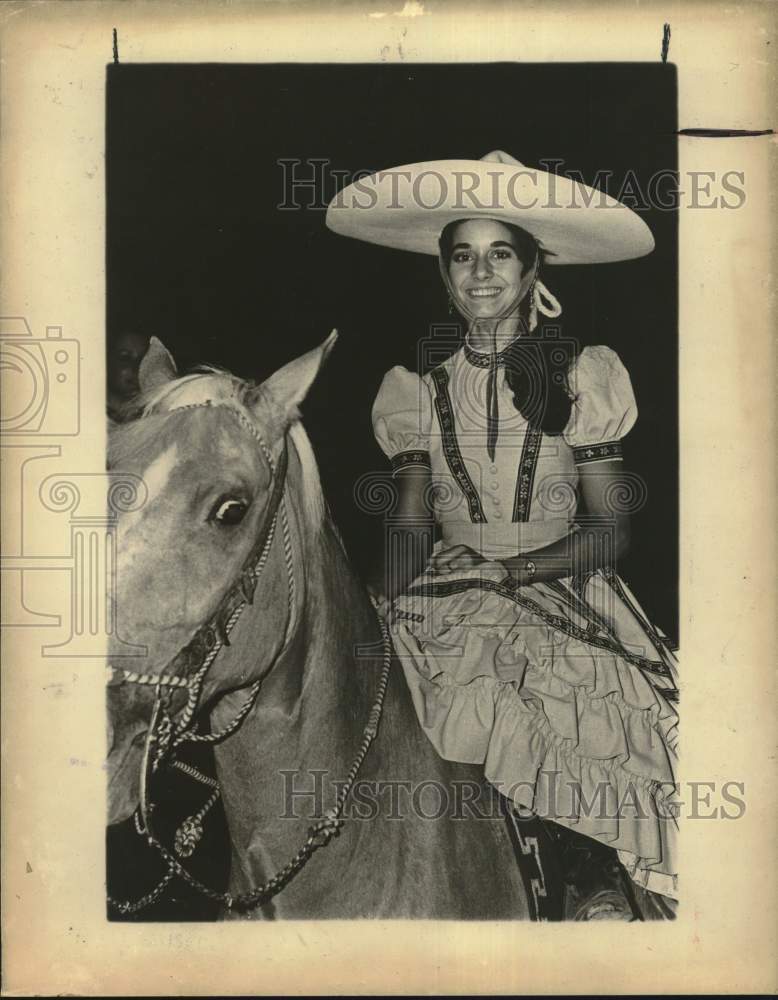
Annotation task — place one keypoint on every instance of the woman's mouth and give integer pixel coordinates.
(487, 292)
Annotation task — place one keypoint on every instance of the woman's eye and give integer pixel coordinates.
(461, 257)
(501, 254)
(229, 512)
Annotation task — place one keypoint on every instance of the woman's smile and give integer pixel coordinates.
(484, 268)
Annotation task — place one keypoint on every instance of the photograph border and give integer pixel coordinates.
(52, 247)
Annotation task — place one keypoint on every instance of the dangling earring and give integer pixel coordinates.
(451, 309)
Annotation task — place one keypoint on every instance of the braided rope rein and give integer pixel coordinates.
(319, 834)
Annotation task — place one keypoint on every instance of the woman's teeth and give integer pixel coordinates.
(483, 293)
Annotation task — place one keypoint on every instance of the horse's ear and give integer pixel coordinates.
(157, 366)
(290, 385)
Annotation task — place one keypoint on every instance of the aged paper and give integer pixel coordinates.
(56, 938)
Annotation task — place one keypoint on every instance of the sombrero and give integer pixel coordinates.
(407, 207)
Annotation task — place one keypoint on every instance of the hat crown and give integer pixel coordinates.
(500, 156)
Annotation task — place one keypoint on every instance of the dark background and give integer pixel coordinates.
(200, 255)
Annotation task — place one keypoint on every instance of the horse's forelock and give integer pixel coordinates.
(131, 441)
(160, 415)
(207, 383)
(162, 410)
(155, 411)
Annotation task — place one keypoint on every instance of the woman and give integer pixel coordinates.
(522, 647)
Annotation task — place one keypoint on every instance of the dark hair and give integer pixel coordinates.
(536, 365)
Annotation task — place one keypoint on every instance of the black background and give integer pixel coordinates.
(200, 255)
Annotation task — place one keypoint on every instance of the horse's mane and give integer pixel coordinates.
(147, 422)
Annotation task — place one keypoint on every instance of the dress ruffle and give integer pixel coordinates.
(539, 689)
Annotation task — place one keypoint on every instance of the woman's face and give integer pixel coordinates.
(484, 269)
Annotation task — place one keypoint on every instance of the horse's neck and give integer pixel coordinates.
(307, 724)
(331, 653)
(310, 645)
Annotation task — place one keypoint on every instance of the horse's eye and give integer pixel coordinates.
(229, 512)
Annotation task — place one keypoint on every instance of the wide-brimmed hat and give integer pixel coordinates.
(407, 208)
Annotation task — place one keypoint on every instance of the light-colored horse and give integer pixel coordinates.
(303, 695)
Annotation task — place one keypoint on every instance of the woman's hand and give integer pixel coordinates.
(454, 559)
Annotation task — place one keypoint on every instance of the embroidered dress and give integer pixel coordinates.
(563, 690)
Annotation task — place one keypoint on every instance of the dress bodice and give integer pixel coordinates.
(526, 497)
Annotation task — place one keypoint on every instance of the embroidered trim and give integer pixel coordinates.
(409, 458)
(451, 450)
(529, 858)
(478, 360)
(525, 479)
(612, 578)
(446, 589)
(597, 452)
(576, 601)
(411, 616)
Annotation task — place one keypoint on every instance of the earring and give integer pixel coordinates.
(451, 309)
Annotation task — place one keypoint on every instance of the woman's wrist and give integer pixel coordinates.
(521, 569)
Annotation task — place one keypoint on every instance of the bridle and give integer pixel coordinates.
(187, 671)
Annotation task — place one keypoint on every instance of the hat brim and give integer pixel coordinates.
(407, 208)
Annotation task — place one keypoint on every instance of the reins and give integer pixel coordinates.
(166, 732)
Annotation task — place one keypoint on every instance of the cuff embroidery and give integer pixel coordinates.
(597, 452)
(410, 458)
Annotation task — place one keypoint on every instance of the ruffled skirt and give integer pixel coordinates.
(565, 693)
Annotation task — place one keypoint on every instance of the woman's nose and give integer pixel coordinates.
(482, 267)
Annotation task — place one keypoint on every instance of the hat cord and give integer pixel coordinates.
(543, 301)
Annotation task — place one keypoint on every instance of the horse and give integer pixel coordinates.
(236, 591)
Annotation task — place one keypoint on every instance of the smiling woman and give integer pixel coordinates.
(523, 648)
(488, 260)
(491, 271)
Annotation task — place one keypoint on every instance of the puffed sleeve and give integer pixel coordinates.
(604, 408)
(402, 414)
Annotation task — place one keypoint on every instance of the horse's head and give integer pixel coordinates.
(209, 449)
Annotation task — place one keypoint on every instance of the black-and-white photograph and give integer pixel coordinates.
(386, 459)
(392, 361)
